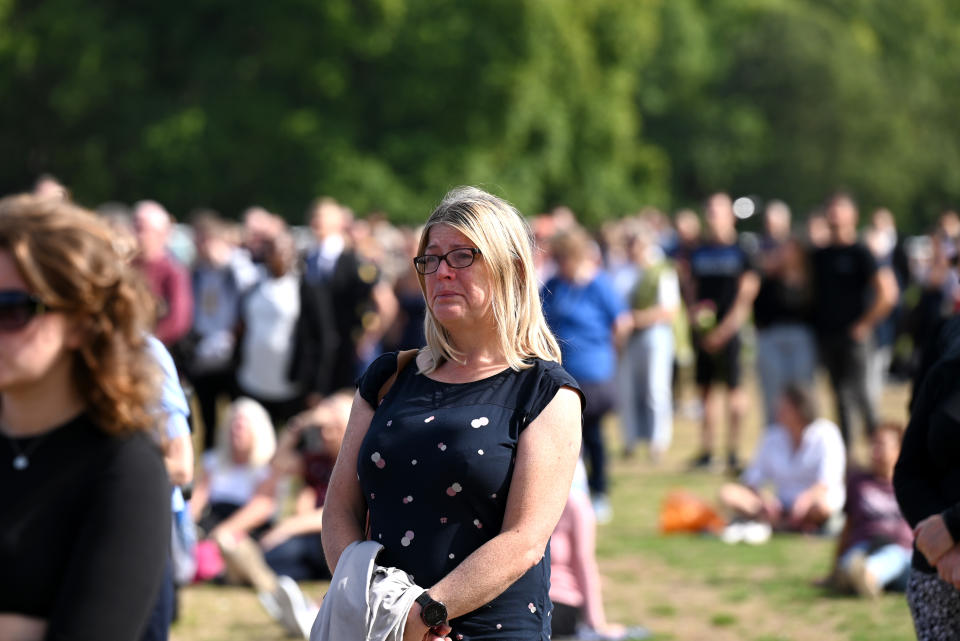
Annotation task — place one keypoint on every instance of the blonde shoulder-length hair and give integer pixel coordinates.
(506, 245)
(264, 438)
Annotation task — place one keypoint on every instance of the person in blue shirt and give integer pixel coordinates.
(173, 433)
(585, 312)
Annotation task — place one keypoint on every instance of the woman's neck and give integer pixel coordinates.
(585, 272)
(478, 353)
(39, 407)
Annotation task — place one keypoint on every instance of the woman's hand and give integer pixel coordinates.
(933, 538)
(416, 630)
(948, 567)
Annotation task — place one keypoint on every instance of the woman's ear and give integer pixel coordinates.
(76, 332)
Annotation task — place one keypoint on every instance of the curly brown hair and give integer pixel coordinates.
(68, 257)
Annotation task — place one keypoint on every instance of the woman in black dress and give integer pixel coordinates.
(927, 483)
(466, 464)
(84, 497)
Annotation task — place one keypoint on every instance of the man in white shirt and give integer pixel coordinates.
(803, 459)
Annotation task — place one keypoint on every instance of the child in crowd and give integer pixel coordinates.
(574, 577)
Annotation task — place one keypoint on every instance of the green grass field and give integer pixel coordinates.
(682, 587)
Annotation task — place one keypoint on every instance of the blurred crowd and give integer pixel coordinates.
(657, 314)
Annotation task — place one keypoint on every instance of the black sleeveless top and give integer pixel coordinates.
(435, 469)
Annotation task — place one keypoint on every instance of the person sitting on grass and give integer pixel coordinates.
(803, 458)
(236, 466)
(291, 550)
(874, 550)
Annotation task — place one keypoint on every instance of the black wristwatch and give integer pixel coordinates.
(432, 612)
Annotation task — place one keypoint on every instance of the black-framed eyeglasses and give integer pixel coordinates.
(456, 258)
(18, 308)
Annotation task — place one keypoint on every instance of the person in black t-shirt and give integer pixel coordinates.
(786, 350)
(84, 496)
(852, 295)
(926, 480)
(725, 285)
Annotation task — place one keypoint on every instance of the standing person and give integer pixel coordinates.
(575, 585)
(465, 466)
(646, 364)
(786, 349)
(168, 279)
(587, 315)
(173, 434)
(288, 336)
(725, 285)
(852, 294)
(84, 497)
(927, 483)
(883, 242)
(364, 306)
(218, 290)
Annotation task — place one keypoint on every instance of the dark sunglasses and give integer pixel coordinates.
(18, 308)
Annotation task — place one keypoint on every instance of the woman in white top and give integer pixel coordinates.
(233, 470)
(804, 459)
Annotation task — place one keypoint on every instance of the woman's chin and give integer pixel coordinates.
(448, 313)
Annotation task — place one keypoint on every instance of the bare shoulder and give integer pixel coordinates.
(559, 421)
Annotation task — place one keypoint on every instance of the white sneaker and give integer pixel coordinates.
(751, 532)
(297, 612)
(602, 509)
(756, 532)
(733, 533)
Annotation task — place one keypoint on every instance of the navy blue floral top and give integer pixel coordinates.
(435, 469)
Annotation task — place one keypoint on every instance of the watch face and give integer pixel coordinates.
(434, 613)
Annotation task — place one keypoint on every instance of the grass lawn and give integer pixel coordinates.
(681, 587)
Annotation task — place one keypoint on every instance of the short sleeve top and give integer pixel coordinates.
(716, 268)
(582, 316)
(842, 276)
(435, 469)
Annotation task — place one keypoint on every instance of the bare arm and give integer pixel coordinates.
(643, 318)
(739, 313)
(345, 510)
(201, 494)
(256, 512)
(886, 292)
(303, 523)
(178, 458)
(585, 560)
(546, 456)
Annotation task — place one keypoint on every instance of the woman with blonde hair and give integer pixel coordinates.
(464, 463)
(85, 501)
(238, 464)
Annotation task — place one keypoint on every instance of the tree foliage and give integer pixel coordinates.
(603, 105)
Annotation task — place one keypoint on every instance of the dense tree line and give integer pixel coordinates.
(604, 105)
